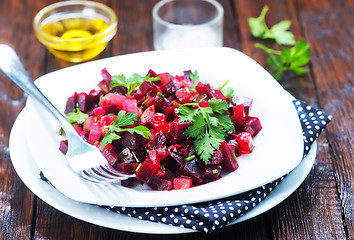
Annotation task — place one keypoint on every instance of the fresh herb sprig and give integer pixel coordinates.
(131, 83)
(292, 59)
(76, 116)
(278, 32)
(124, 119)
(209, 127)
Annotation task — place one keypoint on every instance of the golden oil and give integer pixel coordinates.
(76, 38)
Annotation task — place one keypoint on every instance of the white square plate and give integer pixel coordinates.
(278, 147)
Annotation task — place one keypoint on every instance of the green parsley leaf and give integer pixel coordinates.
(123, 120)
(292, 59)
(218, 105)
(76, 116)
(206, 146)
(130, 83)
(109, 138)
(194, 76)
(228, 92)
(225, 122)
(209, 127)
(257, 25)
(278, 32)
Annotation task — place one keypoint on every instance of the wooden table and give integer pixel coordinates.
(321, 208)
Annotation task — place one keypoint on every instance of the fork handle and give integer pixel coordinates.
(11, 65)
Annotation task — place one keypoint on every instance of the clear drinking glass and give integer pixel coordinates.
(187, 24)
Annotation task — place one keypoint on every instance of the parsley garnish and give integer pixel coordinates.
(76, 116)
(130, 83)
(228, 92)
(194, 76)
(124, 120)
(209, 127)
(278, 32)
(292, 59)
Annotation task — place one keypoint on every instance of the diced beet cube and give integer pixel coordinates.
(176, 133)
(83, 102)
(159, 184)
(95, 134)
(169, 112)
(106, 80)
(162, 152)
(171, 164)
(176, 154)
(204, 103)
(132, 141)
(110, 155)
(71, 103)
(164, 77)
(150, 87)
(147, 117)
(127, 168)
(216, 158)
(94, 96)
(229, 162)
(182, 183)
(78, 128)
(146, 171)
(168, 89)
(139, 155)
(202, 88)
(112, 99)
(184, 95)
(89, 121)
(153, 157)
(169, 175)
(107, 120)
(212, 172)
(151, 73)
(106, 75)
(194, 170)
(159, 122)
(63, 147)
(219, 95)
(245, 144)
(246, 101)
(130, 105)
(157, 141)
(129, 183)
(254, 123)
(99, 111)
(239, 115)
(233, 144)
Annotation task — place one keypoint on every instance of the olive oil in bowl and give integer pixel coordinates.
(76, 34)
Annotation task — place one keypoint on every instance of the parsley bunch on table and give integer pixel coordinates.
(285, 59)
(209, 128)
(278, 32)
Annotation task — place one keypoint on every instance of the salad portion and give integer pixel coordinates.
(173, 131)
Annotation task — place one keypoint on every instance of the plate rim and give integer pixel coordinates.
(31, 101)
(31, 179)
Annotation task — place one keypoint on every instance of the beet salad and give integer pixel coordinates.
(173, 132)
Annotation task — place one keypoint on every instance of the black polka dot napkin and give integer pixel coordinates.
(213, 215)
(209, 216)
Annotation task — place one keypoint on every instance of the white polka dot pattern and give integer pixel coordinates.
(213, 215)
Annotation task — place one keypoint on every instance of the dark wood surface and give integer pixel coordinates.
(321, 208)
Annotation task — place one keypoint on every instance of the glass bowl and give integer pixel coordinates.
(75, 31)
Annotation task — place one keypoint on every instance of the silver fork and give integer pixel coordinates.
(86, 160)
